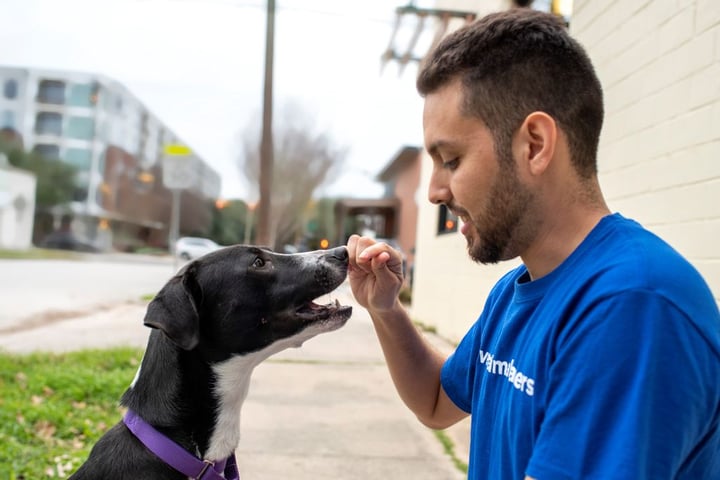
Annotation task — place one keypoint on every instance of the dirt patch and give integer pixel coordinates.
(49, 317)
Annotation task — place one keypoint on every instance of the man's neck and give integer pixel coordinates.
(559, 238)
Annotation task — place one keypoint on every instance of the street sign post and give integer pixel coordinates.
(179, 172)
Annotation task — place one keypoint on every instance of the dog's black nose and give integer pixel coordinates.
(339, 253)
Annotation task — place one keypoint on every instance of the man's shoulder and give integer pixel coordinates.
(628, 255)
(633, 262)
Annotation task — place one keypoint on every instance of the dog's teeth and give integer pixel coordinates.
(337, 302)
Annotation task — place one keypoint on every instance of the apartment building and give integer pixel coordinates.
(116, 145)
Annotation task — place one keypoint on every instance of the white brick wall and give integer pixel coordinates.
(660, 149)
(659, 160)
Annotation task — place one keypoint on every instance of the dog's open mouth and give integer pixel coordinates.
(313, 312)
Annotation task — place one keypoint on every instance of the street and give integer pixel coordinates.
(34, 292)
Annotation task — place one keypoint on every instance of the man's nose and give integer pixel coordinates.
(438, 191)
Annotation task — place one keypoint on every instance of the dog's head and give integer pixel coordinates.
(242, 299)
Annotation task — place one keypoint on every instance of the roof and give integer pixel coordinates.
(363, 203)
(401, 161)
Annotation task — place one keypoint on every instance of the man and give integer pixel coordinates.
(599, 357)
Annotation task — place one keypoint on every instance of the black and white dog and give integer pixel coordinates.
(213, 322)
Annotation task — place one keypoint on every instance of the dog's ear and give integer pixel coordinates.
(174, 310)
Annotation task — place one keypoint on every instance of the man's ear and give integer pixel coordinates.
(535, 142)
(174, 310)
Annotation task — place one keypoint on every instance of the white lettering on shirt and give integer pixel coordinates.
(507, 369)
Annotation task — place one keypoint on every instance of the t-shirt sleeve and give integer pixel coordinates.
(458, 372)
(625, 393)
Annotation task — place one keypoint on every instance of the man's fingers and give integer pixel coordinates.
(372, 257)
(386, 263)
(380, 260)
(358, 259)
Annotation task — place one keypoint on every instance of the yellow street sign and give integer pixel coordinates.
(175, 149)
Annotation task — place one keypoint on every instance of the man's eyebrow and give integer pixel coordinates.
(437, 145)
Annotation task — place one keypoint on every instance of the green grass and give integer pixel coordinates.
(449, 448)
(37, 254)
(53, 408)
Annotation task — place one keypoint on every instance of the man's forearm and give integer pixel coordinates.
(413, 363)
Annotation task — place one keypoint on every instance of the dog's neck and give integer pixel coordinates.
(193, 403)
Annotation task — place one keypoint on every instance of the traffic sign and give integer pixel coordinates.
(180, 171)
(176, 149)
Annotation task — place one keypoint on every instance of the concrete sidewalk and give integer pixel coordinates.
(328, 410)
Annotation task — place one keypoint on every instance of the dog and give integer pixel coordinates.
(218, 318)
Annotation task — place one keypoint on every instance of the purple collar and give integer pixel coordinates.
(176, 456)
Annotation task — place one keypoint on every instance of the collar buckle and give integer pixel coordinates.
(208, 465)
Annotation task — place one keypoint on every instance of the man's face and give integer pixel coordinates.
(468, 177)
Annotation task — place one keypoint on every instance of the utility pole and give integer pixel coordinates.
(265, 235)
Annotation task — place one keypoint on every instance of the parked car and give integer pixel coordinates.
(63, 240)
(190, 248)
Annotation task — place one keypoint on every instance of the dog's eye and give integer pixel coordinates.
(258, 263)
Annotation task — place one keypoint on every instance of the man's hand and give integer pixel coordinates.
(375, 273)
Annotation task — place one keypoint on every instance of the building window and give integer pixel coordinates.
(51, 91)
(79, 158)
(447, 221)
(48, 123)
(10, 89)
(83, 95)
(7, 119)
(82, 128)
(80, 194)
(47, 150)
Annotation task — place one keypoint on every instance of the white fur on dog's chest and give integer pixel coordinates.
(231, 388)
(233, 382)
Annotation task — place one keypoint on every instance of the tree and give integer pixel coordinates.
(55, 179)
(303, 161)
(230, 222)
(321, 223)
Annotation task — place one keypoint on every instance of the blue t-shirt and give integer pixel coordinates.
(608, 367)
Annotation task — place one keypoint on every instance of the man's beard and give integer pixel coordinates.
(501, 230)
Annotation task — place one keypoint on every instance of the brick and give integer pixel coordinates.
(673, 66)
(586, 14)
(692, 239)
(626, 182)
(675, 205)
(699, 90)
(654, 43)
(687, 167)
(708, 14)
(705, 86)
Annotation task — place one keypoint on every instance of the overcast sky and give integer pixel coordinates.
(198, 66)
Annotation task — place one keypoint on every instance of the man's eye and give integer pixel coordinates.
(258, 263)
(451, 164)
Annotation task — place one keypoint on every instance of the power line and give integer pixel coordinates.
(280, 9)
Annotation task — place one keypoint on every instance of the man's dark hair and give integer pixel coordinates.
(516, 62)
